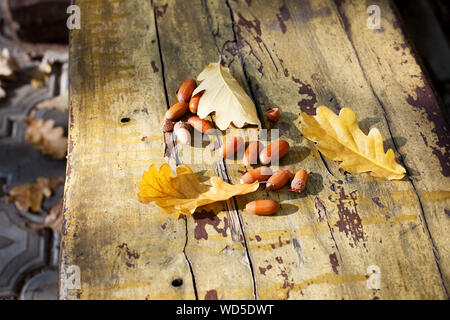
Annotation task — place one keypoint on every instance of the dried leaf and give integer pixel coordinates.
(60, 102)
(224, 96)
(54, 220)
(45, 66)
(8, 65)
(184, 193)
(41, 74)
(339, 138)
(28, 196)
(46, 138)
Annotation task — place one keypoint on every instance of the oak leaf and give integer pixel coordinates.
(339, 138)
(28, 196)
(224, 96)
(183, 193)
(47, 138)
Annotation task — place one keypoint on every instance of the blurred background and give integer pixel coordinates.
(33, 128)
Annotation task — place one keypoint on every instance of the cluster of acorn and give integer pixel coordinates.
(274, 181)
(185, 102)
(253, 152)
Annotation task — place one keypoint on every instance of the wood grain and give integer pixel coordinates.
(415, 118)
(215, 245)
(124, 249)
(294, 55)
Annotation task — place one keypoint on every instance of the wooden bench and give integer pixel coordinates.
(335, 241)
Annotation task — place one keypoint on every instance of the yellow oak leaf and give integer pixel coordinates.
(224, 96)
(184, 193)
(339, 138)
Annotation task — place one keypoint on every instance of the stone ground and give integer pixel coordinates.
(28, 259)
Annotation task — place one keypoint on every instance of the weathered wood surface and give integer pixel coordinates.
(128, 60)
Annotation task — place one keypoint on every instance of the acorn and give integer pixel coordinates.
(252, 153)
(278, 180)
(262, 207)
(186, 89)
(231, 146)
(181, 131)
(259, 174)
(193, 103)
(273, 114)
(167, 125)
(298, 184)
(177, 110)
(278, 148)
(199, 124)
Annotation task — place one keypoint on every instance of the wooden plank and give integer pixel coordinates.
(215, 245)
(416, 120)
(321, 245)
(124, 249)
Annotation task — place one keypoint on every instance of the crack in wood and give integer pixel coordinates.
(261, 118)
(170, 147)
(325, 163)
(234, 216)
(171, 151)
(231, 206)
(169, 139)
(216, 33)
(321, 207)
(244, 68)
(187, 259)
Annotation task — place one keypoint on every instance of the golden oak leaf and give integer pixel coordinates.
(224, 96)
(184, 193)
(339, 138)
